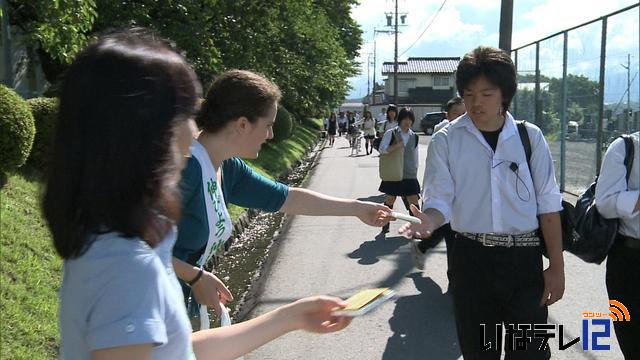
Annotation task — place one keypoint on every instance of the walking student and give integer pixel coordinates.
(332, 128)
(368, 126)
(477, 178)
(618, 199)
(401, 138)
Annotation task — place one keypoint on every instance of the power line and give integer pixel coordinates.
(427, 28)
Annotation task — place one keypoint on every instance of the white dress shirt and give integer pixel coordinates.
(614, 199)
(440, 125)
(386, 142)
(475, 188)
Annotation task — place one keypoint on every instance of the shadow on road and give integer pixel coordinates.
(374, 198)
(370, 251)
(423, 325)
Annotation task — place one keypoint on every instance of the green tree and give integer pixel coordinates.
(59, 29)
(308, 47)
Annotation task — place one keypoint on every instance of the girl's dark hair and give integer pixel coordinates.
(116, 163)
(234, 94)
(406, 113)
(392, 108)
(494, 64)
(365, 114)
(333, 117)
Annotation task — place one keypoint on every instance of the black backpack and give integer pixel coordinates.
(585, 233)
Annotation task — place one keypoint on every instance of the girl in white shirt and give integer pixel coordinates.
(402, 138)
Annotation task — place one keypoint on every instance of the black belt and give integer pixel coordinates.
(505, 240)
(628, 242)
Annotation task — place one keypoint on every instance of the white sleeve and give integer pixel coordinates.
(548, 196)
(437, 185)
(386, 141)
(613, 199)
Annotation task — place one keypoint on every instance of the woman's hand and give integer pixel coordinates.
(372, 213)
(313, 314)
(210, 291)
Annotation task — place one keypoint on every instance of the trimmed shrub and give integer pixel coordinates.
(16, 130)
(283, 127)
(45, 114)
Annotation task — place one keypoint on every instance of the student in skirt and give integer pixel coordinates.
(332, 128)
(368, 126)
(401, 138)
(477, 178)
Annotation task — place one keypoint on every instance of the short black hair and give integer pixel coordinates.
(494, 64)
(406, 112)
(116, 164)
(392, 108)
(453, 102)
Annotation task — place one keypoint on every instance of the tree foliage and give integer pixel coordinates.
(307, 47)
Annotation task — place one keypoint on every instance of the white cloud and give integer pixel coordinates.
(551, 16)
(468, 23)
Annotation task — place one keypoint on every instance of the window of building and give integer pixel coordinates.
(440, 80)
(405, 84)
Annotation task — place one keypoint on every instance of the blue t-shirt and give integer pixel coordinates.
(241, 186)
(122, 292)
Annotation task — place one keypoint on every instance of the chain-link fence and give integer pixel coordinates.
(582, 88)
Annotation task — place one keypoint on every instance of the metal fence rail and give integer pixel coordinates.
(582, 88)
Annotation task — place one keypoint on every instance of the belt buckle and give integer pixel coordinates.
(484, 240)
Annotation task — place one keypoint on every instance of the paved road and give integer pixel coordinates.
(339, 256)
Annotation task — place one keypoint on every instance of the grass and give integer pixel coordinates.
(30, 274)
(31, 271)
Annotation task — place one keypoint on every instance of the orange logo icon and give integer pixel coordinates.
(619, 312)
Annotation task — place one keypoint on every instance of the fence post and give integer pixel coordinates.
(538, 100)
(603, 53)
(563, 112)
(515, 99)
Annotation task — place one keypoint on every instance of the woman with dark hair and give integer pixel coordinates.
(332, 128)
(112, 201)
(236, 118)
(501, 206)
(368, 126)
(401, 138)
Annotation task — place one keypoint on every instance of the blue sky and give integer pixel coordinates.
(462, 25)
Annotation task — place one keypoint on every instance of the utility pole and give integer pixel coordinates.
(395, 61)
(375, 52)
(368, 74)
(506, 25)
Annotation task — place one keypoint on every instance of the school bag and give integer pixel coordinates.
(585, 233)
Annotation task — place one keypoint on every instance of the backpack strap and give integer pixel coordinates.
(524, 138)
(417, 140)
(629, 153)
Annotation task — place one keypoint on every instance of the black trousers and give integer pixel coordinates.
(496, 285)
(623, 284)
